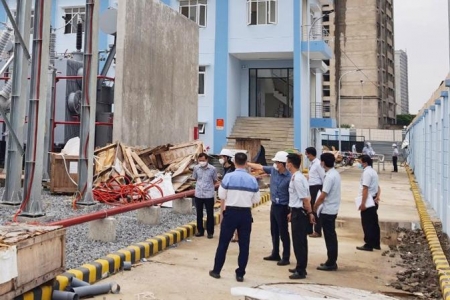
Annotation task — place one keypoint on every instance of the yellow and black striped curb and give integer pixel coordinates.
(437, 254)
(112, 263)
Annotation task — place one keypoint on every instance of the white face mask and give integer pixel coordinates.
(275, 166)
(202, 163)
(221, 161)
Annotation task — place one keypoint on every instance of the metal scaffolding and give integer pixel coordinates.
(88, 104)
(40, 78)
(12, 193)
(34, 156)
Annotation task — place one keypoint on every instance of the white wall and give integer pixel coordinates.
(245, 38)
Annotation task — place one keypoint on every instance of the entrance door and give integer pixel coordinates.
(271, 93)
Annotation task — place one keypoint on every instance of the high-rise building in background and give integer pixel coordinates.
(401, 82)
(362, 37)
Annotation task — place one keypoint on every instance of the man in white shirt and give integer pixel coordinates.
(369, 188)
(316, 175)
(300, 215)
(394, 157)
(331, 199)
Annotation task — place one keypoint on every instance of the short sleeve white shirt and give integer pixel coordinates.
(298, 190)
(316, 173)
(369, 178)
(332, 187)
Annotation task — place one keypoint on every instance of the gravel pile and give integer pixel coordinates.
(418, 275)
(79, 249)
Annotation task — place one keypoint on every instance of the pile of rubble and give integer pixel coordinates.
(418, 275)
(122, 172)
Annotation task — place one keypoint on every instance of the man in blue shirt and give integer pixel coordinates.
(206, 176)
(237, 192)
(279, 193)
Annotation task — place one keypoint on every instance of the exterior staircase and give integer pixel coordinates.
(280, 131)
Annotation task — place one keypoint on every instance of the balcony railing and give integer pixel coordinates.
(317, 33)
(322, 110)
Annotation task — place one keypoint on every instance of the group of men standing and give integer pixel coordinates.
(310, 203)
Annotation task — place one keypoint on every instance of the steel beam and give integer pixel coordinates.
(34, 155)
(12, 193)
(88, 104)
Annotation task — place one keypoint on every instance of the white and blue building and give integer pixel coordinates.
(254, 58)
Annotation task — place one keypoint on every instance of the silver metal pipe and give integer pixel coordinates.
(60, 295)
(12, 193)
(77, 282)
(88, 104)
(34, 155)
(97, 289)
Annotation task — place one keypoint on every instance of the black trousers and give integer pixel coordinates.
(299, 225)
(209, 204)
(371, 228)
(279, 228)
(394, 162)
(314, 190)
(329, 232)
(240, 220)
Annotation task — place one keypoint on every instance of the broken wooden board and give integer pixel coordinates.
(132, 165)
(150, 173)
(182, 150)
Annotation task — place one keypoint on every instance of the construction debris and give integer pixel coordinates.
(127, 174)
(337, 154)
(16, 232)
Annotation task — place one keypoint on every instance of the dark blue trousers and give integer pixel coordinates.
(279, 228)
(240, 220)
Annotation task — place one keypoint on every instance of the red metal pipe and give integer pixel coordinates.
(118, 210)
(78, 123)
(80, 77)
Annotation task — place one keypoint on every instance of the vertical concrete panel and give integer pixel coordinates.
(156, 75)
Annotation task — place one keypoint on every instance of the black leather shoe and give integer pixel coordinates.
(377, 248)
(283, 262)
(365, 248)
(239, 278)
(210, 236)
(295, 270)
(327, 268)
(297, 275)
(213, 274)
(199, 234)
(272, 258)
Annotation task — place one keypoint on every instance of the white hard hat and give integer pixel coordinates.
(280, 156)
(226, 152)
(368, 144)
(394, 145)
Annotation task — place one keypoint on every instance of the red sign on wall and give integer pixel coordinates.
(220, 124)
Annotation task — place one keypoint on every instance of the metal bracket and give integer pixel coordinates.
(16, 29)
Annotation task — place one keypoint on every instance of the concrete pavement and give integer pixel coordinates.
(181, 272)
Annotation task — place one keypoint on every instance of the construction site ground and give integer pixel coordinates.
(181, 272)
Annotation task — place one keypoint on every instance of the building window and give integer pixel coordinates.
(194, 10)
(261, 12)
(71, 17)
(201, 80)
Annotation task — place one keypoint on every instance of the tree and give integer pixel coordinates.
(405, 119)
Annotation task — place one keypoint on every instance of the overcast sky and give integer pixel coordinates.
(421, 29)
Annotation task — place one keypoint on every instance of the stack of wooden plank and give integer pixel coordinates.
(143, 165)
